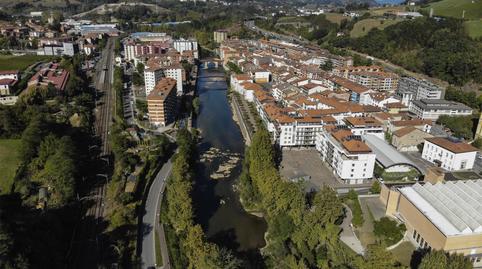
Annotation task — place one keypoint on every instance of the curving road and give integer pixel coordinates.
(150, 222)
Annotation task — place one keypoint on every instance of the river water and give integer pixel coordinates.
(217, 205)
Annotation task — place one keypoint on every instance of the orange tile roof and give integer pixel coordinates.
(456, 147)
(363, 121)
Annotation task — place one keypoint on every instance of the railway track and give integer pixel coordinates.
(89, 250)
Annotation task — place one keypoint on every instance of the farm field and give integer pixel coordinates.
(455, 8)
(9, 160)
(11, 62)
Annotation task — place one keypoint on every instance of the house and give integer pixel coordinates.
(449, 153)
(408, 138)
(6, 85)
(441, 216)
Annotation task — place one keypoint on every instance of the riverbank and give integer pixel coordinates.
(216, 204)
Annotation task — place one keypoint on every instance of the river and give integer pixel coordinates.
(216, 204)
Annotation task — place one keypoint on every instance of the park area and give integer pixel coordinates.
(9, 161)
(11, 62)
(375, 227)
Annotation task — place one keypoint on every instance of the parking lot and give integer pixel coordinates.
(297, 163)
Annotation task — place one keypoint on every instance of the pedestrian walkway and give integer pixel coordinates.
(348, 236)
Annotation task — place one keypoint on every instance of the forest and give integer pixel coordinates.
(436, 47)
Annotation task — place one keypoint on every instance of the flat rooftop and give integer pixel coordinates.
(455, 207)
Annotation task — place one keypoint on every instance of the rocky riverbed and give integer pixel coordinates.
(226, 161)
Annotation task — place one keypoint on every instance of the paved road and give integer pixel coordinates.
(150, 221)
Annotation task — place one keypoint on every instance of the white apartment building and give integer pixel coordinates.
(449, 153)
(182, 45)
(431, 109)
(349, 157)
(300, 132)
(365, 125)
(152, 74)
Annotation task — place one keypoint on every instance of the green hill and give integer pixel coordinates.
(455, 8)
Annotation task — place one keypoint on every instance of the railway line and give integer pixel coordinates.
(89, 249)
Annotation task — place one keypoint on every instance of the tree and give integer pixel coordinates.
(378, 258)
(438, 259)
(375, 188)
(140, 68)
(388, 230)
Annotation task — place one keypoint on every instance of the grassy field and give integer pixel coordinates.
(10, 62)
(382, 10)
(403, 253)
(9, 160)
(474, 28)
(362, 27)
(335, 17)
(454, 8)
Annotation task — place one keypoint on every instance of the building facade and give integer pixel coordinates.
(349, 157)
(410, 88)
(442, 216)
(449, 154)
(161, 102)
(432, 109)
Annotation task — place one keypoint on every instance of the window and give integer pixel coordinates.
(352, 165)
(418, 238)
(352, 170)
(414, 234)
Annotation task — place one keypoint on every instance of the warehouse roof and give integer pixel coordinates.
(455, 208)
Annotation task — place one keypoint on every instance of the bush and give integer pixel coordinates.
(388, 231)
(376, 188)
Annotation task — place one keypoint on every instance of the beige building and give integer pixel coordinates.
(220, 36)
(446, 216)
(161, 102)
(408, 138)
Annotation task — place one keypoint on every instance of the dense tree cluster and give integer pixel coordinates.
(302, 228)
(193, 251)
(438, 48)
(461, 126)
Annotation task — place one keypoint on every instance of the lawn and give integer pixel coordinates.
(403, 253)
(11, 62)
(9, 161)
(362, 27)
(474, 28)
(455, 8)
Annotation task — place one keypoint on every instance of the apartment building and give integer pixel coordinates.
(442, 216)
(161, 102)
(379, 81)
(10, 74)
(365, 125)
(183, 45)
(431, 109)
(345, 72)
(155, 72)
(220, 36)
(449, 153)
(410, 88)
(349, 157)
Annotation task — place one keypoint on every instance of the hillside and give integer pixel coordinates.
(455, 8)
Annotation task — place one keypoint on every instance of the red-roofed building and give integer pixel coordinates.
(6, 85)
(52, 74)
(349, 157)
